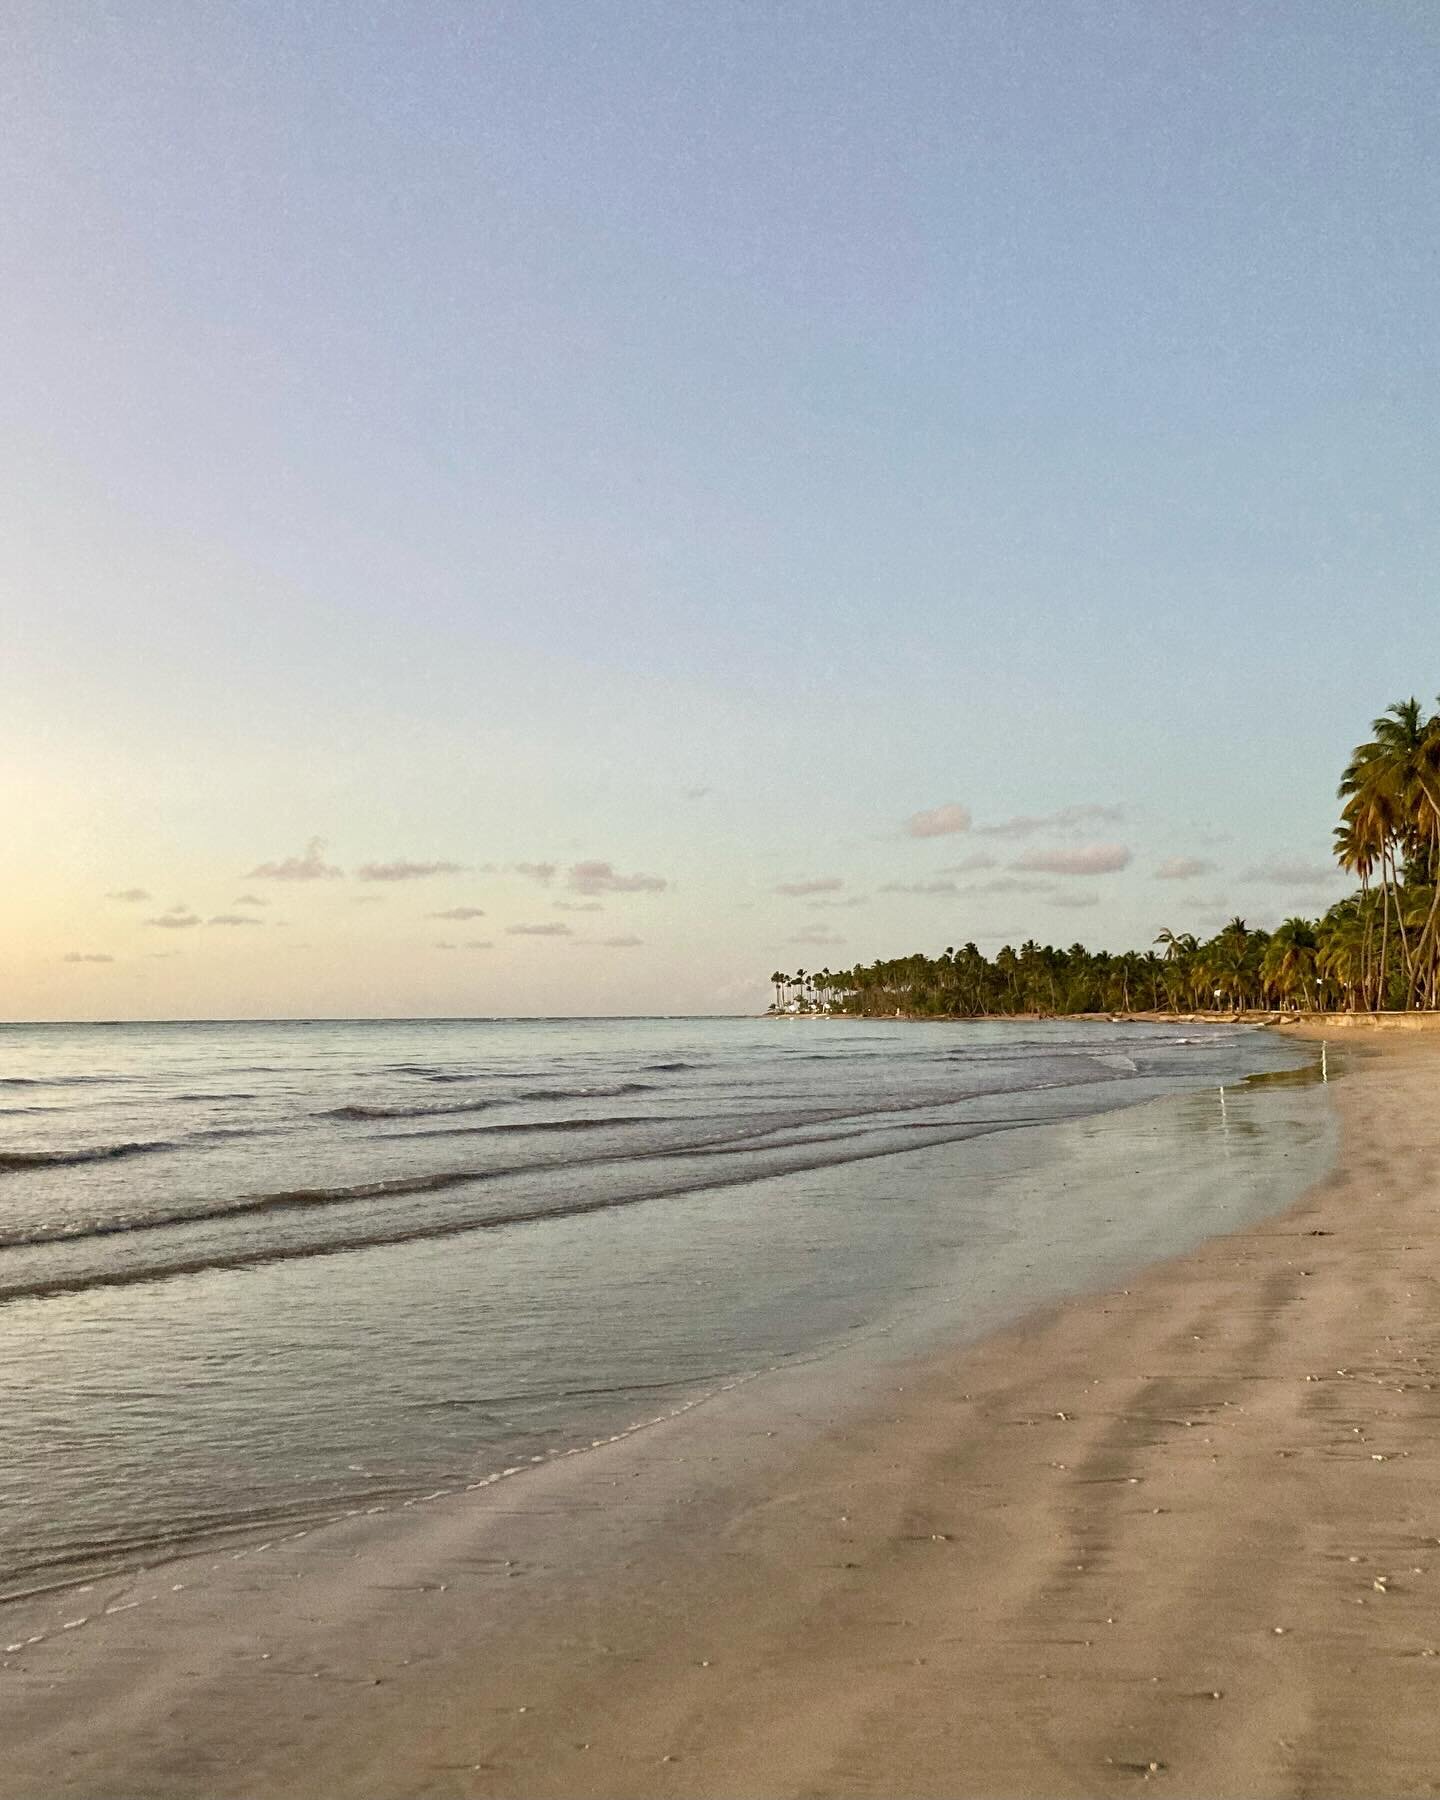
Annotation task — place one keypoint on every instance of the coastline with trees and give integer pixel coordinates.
(1375, 950)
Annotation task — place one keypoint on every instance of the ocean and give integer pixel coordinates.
(263, 1272)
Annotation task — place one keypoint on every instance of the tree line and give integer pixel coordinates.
(1377, 949)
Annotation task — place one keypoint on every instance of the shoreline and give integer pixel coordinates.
(878, 1600)
(1081, 1195)
(1301, 1024)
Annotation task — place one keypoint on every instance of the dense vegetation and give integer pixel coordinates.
(1379, 948)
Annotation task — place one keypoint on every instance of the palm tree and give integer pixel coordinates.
(1289, 961)
(1180, 956)
(1227, 958)
(1343, 949)
(1391, 790)
(1356, 851)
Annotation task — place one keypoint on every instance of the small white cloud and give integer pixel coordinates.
(177, 919)
(1010, 884)
(831, 904)
(86, 956)
(1183, 868)
(309, 867)
(578, 905)
(555, 928)
(542, 872)
(160, 955)
(128, 894)
(460, 912)
(1085, 859)
(233, 919)
(819, 884)
(603, 878)
(400, 870)
(938, 821)
(919, 887)
(469, 944)
(1069, 818)
(251, 900)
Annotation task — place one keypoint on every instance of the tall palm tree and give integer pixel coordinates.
(1289, 961)
(1343, 950)
(1228, 959)
(1391, 790)
(1181, 949)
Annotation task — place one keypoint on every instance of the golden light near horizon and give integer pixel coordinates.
(519, 495)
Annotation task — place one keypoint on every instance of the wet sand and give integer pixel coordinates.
(1185, 1534)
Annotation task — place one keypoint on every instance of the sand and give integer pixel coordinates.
(1186, 1534)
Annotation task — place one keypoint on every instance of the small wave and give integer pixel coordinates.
(216, 1096)
(61, 1159)
(530, 1125)
(664, 1068)
(381, 1236)
(62, 1080)
(429, 1072)
(401, 1112)
(296, 1199)
(589, 1093)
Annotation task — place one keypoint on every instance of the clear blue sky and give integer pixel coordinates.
(462, 432)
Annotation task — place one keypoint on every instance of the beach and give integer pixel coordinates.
(1182, 1531)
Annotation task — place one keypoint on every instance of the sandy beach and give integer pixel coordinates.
(1184, 1533)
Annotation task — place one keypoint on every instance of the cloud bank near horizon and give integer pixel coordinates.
(819, 884)
(401, 870)
(1084, 859)
(1183, 868)
(309, 867)
(604, 878)
(938, 821)
(1068, 818)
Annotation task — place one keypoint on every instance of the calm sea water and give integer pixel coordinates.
(251, 1272)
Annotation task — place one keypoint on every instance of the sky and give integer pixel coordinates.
(528, 509)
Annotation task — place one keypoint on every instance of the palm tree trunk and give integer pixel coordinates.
(1368, 946)
(1400, 923)
(1384, 938)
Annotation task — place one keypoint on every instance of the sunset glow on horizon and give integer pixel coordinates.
(504, 518)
